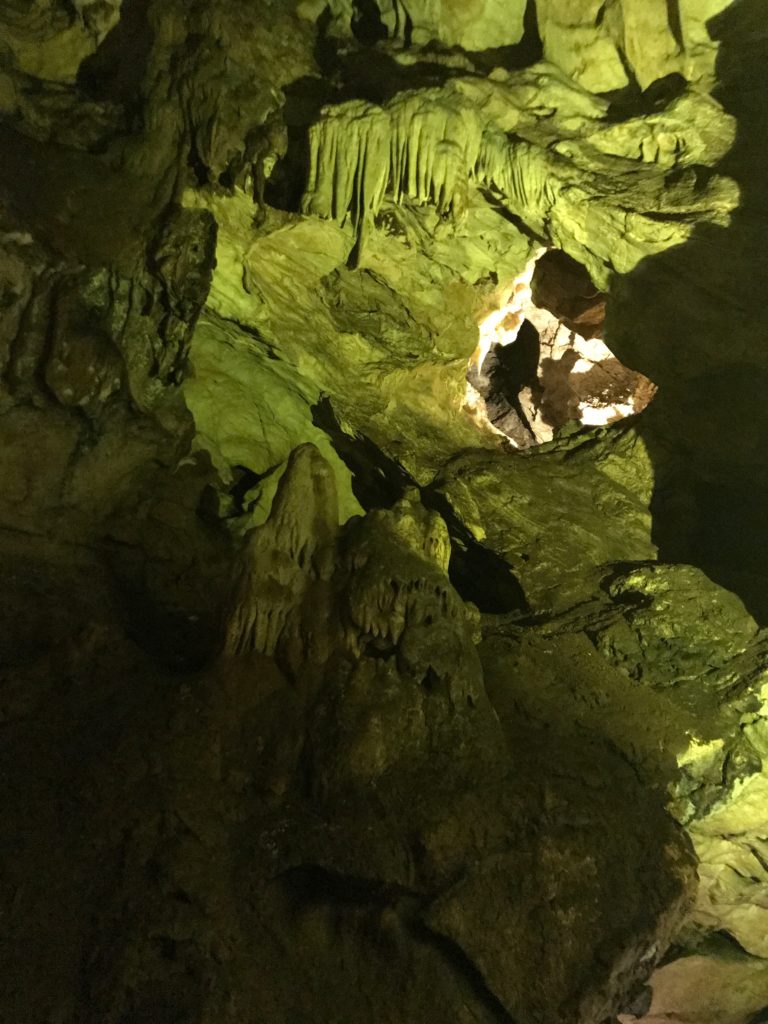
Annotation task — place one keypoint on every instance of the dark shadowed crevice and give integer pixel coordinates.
(478, 573)
(311, 883)
(708, 452)
(325, 45)
(315, 885)
(118, 68)
(631, 102)
(461, 963)
(377, 480)
(244, 481)
(498, 207)
(640, 1002)
(408, 31)
(367, 24)
(375, 76)
(629, 71)
(304, 98)
(675, 22)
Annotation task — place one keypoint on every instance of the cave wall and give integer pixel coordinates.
(305, 676)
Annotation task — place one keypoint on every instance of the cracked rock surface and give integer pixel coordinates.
(319, 702)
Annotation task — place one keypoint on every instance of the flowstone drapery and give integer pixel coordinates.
(308, 681)
(600, 192)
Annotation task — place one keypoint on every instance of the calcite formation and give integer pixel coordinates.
(310, 682)
(367, 812)
(430, 146)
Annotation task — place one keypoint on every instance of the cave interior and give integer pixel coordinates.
(383, 495)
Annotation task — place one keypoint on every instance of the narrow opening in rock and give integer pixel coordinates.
(541, 362)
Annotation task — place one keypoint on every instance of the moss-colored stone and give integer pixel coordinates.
(588, 494)
(244, 250)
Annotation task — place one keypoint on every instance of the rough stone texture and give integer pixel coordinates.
(470, 24)
(587, 493)
(653, 39)
(688, 712)
(676, 620)
(598, 190)
(562, 286)
(50, 39)
(229, 230)
(293, 830)
(607, 46)
(581, 39)
(476, 25)
(392, 334)
(698, 21)
(722, 989)
(709, 466)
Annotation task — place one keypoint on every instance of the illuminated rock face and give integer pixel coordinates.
(476, 25)
(533, 373)
(308, 679)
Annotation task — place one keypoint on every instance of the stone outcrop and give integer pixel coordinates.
(374, 809)
(308, 680)
(721, 988)
(511, 501)
(430, 146)
(680, 659)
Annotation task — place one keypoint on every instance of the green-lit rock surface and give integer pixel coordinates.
(588, 494)
(319, 702)
(668, 669)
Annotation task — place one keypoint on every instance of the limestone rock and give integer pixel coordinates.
(284, 556)
(723, 989)
(245, 250)
(696, 17)
(691, 718)
(601, 45)
(288, 296)
(578, 38)
(533, 509)
(731, 851)
(251, 411)
(729, 839)
(431, 146)
(358, 779)
(50, 40)
(653, 39)
(562, 286)
(478, 25)
(675, 624)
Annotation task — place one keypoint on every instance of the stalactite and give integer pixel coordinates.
(423, 147)
(426, 147)
(431, 146)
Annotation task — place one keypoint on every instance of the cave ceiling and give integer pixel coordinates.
(383, 490)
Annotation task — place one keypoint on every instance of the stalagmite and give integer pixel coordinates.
(283, 556)
(307, 684)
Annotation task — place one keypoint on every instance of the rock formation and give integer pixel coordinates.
(383, 482)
